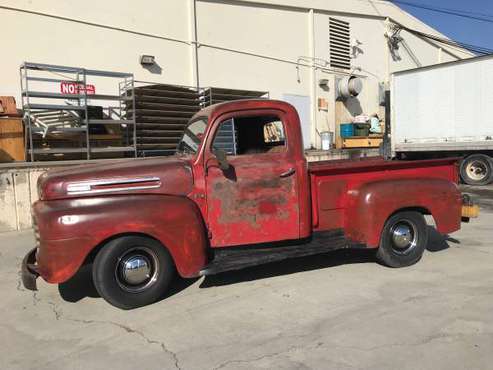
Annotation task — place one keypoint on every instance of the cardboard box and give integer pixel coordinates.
(12, 140)
(7, 106)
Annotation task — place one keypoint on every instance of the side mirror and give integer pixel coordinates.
(221, 157)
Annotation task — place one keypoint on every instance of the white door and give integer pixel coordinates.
(302, 105)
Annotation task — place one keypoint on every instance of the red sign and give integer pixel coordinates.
(76, 88)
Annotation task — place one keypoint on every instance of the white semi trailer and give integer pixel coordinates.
(446, 110)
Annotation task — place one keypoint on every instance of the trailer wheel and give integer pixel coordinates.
(132, 271)
(403, 240)
(477, 169)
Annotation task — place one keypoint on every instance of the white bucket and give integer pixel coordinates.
(327, 139)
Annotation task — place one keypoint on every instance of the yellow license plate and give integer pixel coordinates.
(470, 211)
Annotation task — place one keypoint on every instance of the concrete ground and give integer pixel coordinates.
(335, 311)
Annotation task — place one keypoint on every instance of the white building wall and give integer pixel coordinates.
(243, 44)
(107, 35)
(255, 34)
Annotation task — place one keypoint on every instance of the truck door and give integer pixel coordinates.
(254, 200)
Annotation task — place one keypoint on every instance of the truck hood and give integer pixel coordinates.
(171, 176)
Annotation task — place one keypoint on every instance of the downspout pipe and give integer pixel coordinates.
(194, 43)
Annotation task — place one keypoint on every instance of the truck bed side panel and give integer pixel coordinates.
(359, 196)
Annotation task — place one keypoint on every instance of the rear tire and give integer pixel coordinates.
(404, 239)
(477, 169)
(132, 271)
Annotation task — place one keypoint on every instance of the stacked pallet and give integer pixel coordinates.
(216, 95)
(161, 113)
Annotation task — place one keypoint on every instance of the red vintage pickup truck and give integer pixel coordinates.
(239, 192)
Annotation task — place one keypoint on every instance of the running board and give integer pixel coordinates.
(236, 258)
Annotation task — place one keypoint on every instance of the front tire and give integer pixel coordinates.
(404, 239)
(477, 169)
(132, 271)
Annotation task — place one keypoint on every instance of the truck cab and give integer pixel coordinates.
(254, 173)
(238, 192)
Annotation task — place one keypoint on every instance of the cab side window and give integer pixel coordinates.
(251, 135)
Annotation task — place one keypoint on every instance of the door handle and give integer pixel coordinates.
(288, 173)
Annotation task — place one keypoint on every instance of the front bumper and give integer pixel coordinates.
(29, 270)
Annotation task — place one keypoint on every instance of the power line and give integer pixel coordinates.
(464, 14)
(458, 13)
(474, 48)
(470, 47)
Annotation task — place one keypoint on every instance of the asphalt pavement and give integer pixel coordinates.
(335, 311)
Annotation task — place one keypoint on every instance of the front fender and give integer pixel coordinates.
(70, 229)
(372, 204)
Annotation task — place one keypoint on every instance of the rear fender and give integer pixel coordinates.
(373, 203)
(72, 228)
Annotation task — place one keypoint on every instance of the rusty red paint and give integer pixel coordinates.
(243, 207)
(376, 189)
(174, 174)
(197, 205)
(175, 221)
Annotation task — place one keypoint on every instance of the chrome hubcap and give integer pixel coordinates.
(137, 269)
(476, 170)
(404, 236)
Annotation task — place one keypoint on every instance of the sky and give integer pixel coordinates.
(460, 29)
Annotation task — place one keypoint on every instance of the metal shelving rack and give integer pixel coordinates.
(75, 106)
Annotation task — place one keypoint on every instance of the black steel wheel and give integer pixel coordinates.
(477, 169)
(132, 271)
(403, 240)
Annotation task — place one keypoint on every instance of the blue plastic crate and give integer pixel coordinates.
(347, 130)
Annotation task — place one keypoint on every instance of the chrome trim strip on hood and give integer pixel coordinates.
(86, 187)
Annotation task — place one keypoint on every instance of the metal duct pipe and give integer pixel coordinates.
(349, 87)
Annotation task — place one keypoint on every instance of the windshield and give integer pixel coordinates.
(190, 141)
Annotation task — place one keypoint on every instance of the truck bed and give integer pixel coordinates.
(333, 183)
